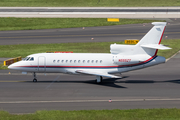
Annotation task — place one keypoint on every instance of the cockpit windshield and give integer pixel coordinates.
(25, 58)
(28, 59)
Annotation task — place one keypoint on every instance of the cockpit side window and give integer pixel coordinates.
(27, 58)
(32, 59)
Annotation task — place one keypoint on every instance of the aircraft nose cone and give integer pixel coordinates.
(13, 66)
(10, 66)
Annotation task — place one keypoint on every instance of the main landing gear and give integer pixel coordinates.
(34, 80)
(99, 79)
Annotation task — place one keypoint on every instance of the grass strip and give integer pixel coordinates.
(23, 50)
(88, 3)
(11, 51)
(50, 23)
(172, 43)
(134, 114)
(2, 67)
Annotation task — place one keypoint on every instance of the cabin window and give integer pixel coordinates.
(32, 59)
(96, 61)
(58, 60)
(88, 61)
(70, 61)
(54, 60)
(79, 61)
(62, 61)
(100, 61)
(66, 60)
(83, 61)
(74, 61)
(92, 61)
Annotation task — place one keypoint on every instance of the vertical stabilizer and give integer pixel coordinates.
(153, 37)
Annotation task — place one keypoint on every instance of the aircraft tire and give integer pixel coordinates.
(34, 80)
(99, 79)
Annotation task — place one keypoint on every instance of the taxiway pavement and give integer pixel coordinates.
(153, 87)
(100, 34)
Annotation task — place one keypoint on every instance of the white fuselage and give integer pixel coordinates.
(71, 62)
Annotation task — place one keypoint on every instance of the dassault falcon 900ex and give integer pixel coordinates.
(122, 58)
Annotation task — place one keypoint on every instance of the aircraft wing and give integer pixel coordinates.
(97, 73)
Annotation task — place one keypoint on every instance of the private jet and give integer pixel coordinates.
(122, 58)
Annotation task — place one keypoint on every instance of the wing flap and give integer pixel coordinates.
(97, 73)
(156, 46)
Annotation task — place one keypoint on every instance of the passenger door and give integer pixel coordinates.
(42, 64)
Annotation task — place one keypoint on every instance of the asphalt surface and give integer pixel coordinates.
(153, 87)
(91, 12)
(100, 34)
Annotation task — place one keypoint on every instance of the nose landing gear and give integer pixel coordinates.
(34, 80)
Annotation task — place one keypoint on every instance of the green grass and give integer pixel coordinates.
(88, 3)
(2, 67)
(135, 114)
(26, 49)
(174, 44)
(49, 23)
(23, 50)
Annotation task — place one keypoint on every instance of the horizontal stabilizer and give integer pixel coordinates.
(89, 72)
(156, 46)
(159, 23)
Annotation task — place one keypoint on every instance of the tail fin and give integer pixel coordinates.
(149, 44)
(154, 36)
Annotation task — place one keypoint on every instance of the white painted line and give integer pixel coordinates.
(107, 13)
(173, 12)
(87, 13)
(78, 101)
(19, 13)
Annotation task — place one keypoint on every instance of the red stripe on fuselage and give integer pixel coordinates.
(72, 66)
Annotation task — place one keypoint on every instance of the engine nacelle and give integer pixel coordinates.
(122, 49)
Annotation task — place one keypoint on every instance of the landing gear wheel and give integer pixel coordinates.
(98, 79)
(34, 80)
